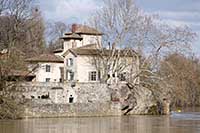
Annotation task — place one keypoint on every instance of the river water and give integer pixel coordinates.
(188, 121)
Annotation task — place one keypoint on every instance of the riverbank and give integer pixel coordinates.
(92, 99)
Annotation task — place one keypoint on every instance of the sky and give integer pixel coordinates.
(172, 12)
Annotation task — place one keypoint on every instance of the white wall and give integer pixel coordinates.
(84, 67)
(68, 44)
(91, 39)
(87, 39)
(73, 68)
(54, 73)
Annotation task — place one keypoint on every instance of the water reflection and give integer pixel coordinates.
(126, 124)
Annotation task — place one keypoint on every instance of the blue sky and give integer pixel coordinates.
(173, 12)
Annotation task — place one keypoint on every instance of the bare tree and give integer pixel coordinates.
(182, 73)
(3, 5)
(54, 31)
(22, 26)
(21, 36)
(125, 28)
(117, 20)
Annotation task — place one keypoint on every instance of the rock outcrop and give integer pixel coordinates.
(134, 100)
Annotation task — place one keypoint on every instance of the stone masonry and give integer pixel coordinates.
(66, 99)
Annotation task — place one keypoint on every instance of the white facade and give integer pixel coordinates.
(76, 68)
(48, 72)
(72, 43)
(85, 67)
(86, 40)
(70, 68)
(91, 39)
(82, 67)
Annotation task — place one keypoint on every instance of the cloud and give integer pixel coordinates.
(68, 10)
(172, 12)
(178, 15)
(172, 5)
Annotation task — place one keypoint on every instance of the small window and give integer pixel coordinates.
(48, 68)
(71, 99)
(93, 76)
(122, 77)
(70, 62)
(70, 75)
(47, 79)
(74, 45)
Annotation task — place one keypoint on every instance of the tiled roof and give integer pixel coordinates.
(85, 51)
(83, 29)
(21, 73)
(94, 52)
(58, 50)
(71, 36)
(46, 58)
(89, 46)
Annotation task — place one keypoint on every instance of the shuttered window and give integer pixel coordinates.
(48, 68)
(47, 79)
(70, 75)
(69, 62)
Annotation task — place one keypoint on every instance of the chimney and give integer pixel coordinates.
(74, 28)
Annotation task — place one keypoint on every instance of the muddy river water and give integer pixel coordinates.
(185, 122)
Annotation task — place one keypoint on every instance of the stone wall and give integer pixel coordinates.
(89, 99)
(52, 99)
(72, 110)
(59, 93)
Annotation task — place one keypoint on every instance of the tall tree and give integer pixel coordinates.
(21, 36)
(54, 31)
(125, 27)
(22, 27)
(182, 74)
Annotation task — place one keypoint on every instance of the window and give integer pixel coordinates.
(93, 76)
(69, 62)
(48, 68)
(71, 99)
(70, 75)
(47, 79)
(122, 76)
(74, 44)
